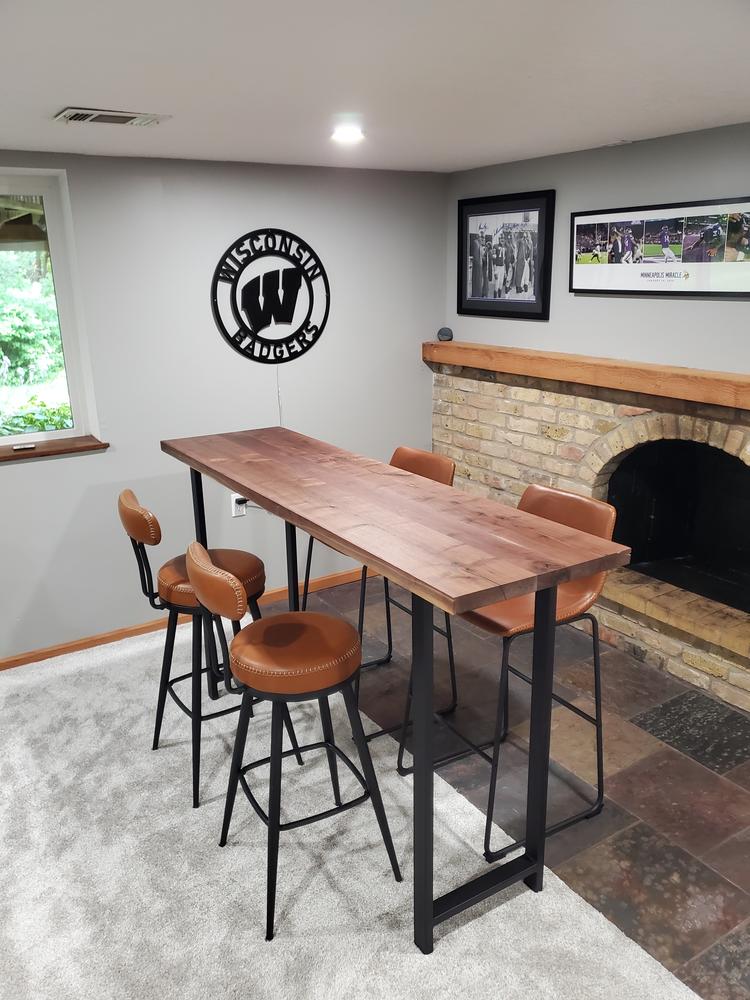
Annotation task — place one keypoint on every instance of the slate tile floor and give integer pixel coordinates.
(668, 859)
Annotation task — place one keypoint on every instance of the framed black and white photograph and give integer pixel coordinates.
(686, 248)
(505, 255)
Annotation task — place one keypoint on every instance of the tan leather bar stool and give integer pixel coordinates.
(174, 594)
(291, 657)
(509, 619)
(440, 469)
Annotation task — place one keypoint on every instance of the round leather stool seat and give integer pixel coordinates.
(295, 653)
(175, 588)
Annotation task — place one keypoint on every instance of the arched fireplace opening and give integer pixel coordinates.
(684, 508)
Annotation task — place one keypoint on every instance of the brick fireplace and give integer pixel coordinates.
(507, 429)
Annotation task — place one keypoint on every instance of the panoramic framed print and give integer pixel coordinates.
(686, 248)
(505, 255)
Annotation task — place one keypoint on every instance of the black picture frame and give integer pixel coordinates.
(518, 250)
(676, 276)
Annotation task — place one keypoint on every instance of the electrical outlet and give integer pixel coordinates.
(239, 505)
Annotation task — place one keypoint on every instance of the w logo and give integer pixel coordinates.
(273, 308)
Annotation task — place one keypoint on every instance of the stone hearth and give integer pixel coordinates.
(507, 431)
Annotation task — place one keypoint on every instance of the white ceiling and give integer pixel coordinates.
(439, 84)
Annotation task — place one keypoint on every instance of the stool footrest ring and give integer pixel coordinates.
(480, 749)
(305, 820)
(188, 711)
(593, 810)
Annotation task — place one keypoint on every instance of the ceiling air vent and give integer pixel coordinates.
(97, 116)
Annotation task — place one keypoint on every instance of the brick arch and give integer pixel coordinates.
(605, 454)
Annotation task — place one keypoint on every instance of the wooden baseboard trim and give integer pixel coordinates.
(318, 583)
(88, 642)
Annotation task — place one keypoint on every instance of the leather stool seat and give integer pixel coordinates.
(295, 653)
(516, 615)
(175, 588)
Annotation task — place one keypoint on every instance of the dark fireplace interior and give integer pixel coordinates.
(684, 508)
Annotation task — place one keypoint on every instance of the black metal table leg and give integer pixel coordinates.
(539, 732)
(292, 583)
(421, 639)
(325, 718)
(292, 573)
(199, 510)
(527, 867)
(199, 516)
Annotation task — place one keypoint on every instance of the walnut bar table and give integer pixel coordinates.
(451, 551)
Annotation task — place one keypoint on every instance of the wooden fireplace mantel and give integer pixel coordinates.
(717, 388)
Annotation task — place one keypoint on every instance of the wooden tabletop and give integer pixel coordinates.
(458, 551)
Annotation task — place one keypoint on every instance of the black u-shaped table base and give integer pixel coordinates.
(529, 866)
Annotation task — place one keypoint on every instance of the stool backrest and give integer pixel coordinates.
(142, 528)
(139, 523)
(584, 513)
(438, 468)
(219, 592)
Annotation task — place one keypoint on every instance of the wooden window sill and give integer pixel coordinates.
(54, 448)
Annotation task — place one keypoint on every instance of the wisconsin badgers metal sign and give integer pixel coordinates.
(270, 296)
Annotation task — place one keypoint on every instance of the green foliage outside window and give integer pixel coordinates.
(36, 415)
(29, 328)
(31, 354)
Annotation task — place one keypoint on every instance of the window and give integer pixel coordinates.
(45, 390)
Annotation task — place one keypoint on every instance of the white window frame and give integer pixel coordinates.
(53, 186)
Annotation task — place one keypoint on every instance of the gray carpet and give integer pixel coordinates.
(113, 888)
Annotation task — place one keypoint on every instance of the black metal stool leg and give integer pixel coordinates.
(274, 811)
(195, 708)
(505, 687)
(403, 771)
(236, 627)
(361, 623)
(166, 667)
(252, 603)
(501, 727)
(362, 598)
(325, 718)
(452, 664)
(292, 735)
(212, 684)
(388, 624)
(598, 716)
(369, 774)
(308, 566)
(381, 660)
(243, 721)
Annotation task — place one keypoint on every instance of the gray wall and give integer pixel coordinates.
(149, 234)
(697, 333)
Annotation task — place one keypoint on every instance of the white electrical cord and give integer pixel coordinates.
(281, 423)
(278, 396)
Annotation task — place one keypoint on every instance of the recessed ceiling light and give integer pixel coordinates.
(348, 134)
